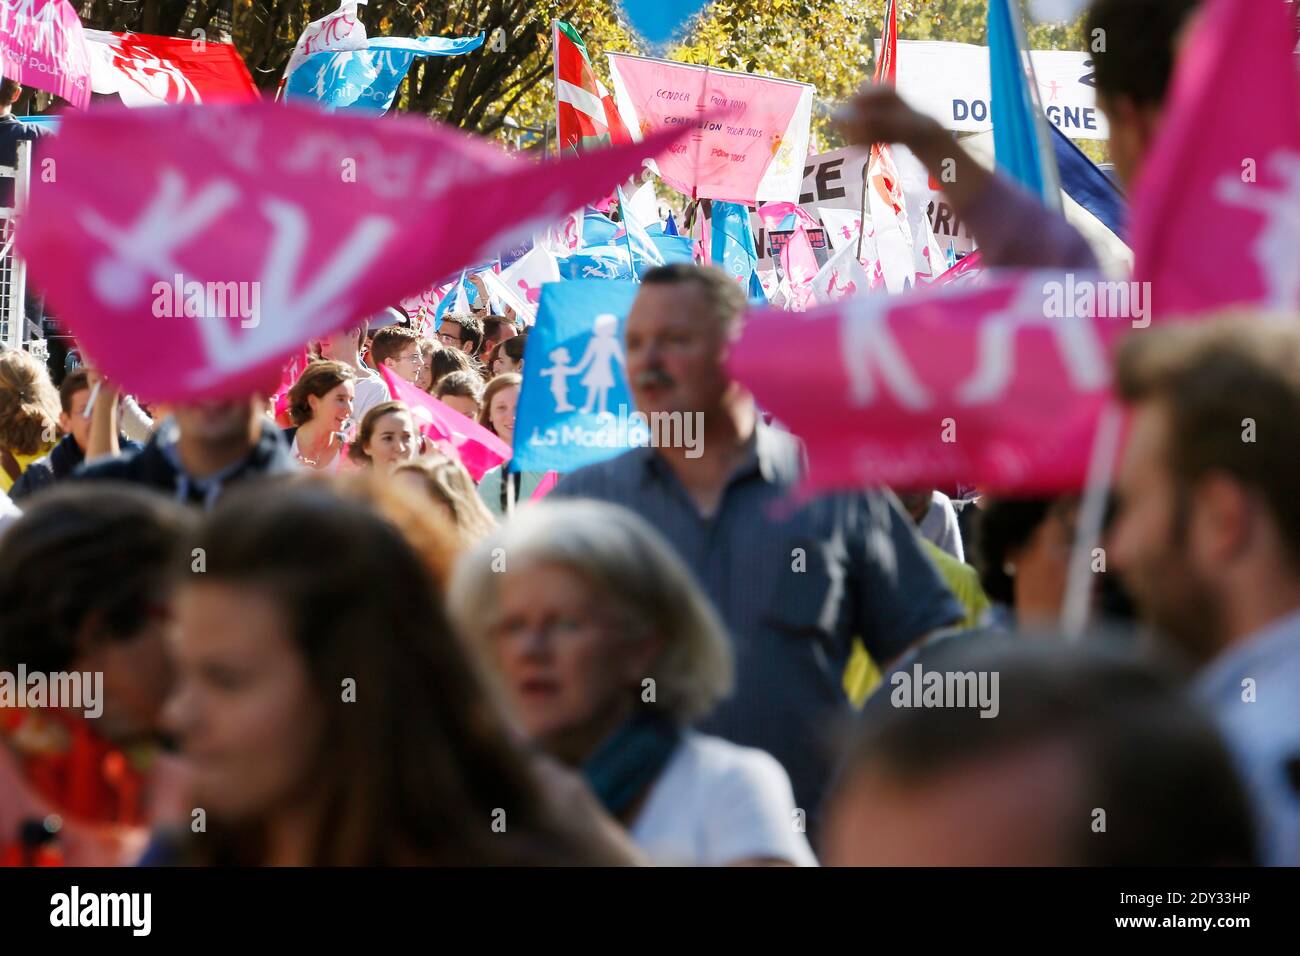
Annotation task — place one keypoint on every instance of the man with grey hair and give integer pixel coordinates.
(794, 583)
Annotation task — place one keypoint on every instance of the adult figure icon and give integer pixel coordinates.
(603, 350)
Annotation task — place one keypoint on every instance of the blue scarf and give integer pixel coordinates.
(631, 759)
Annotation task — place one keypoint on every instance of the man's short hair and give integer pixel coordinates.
(72, 383)
(10, 90)
(389, 341)
(1133, 55)
(462, 384)
(1216, 378)
(471, 329)
(492, 328)
(444, 361)
(725, 298)
(1143, 751)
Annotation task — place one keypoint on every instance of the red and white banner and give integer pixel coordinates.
(147, 70)
(585, 114)
(998, 385)
(43, 45)
(1216, 213)
(749, 133)
(234, 233)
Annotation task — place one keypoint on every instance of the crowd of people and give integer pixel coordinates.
(323, 642)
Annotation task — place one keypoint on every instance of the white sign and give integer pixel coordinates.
(950, 81)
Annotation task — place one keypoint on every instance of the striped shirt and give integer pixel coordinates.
(794, 584)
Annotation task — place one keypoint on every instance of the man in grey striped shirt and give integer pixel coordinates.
(794, 583)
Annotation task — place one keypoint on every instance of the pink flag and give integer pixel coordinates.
(1216, 218)
(235, 233)
(799, 264)
(998, 384)
(970, 268)
(288, 375)
(752, 152)
(43, 45)
(549, 481)
(479, 450)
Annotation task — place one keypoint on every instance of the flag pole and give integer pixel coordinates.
(1087, 535)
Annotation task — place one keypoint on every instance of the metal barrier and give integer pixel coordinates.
(13, 270)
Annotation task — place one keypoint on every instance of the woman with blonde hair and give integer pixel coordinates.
(320, 404)
(606, 650)
(29, 414)
(445, 480)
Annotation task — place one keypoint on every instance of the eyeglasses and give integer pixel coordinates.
(446, 338)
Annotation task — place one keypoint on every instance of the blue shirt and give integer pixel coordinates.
(794, 584)
(1264, 733)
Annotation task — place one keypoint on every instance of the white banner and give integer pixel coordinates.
(950, 81)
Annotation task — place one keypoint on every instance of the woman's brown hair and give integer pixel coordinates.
(319, 378)
(366, 430)
(504, 380)
(29, 404)
(416, 769)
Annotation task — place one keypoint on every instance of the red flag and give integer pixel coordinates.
(147, 70)
(478, 449)
(585, 112)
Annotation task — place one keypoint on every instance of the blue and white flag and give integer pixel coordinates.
(597, 229)
(733, 241)
(366, 81)
(639, 244)
(575, 407)
(1021, 141)
(597, 262)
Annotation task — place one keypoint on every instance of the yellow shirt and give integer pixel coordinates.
(23, 461)
(861, 674)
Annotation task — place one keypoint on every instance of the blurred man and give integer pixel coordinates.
(1092, 760)
(63, 459)
(1011, 227)
(199, 451)
(99, 557)
(397, 348)
(464, 332)
(1207, 534)
(495, 331)
(794, 584)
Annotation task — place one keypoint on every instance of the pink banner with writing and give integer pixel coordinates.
(43, 45)
(1216, 211)
(234, 233)
(998, 385)
(749, 134)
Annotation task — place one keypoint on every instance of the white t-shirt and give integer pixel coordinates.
(718, 803)
(368, 392)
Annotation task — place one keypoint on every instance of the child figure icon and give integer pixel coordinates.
(559, 373)
(603, 350)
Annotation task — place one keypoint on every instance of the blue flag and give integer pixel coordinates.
(1087, 185)
(575, 408)
(366, 81)
(597, 230)
(1021, 140)
(733, 241)
(670, 227)
(596, 262)
(639, 244)
(658, 20)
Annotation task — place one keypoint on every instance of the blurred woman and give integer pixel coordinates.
(446, 482)
(327, 723)
(424, 378)
(29, 414)
(507, 356)
(606, 650)
(1023, 555)
(462, 391)
(498, 416)
(386, 438)
(320, 403)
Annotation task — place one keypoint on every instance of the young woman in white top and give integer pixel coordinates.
(320, 404)
(605, 649)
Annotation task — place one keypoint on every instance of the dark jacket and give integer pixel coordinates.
(156, 466)
(62, 461)
(12, 132)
